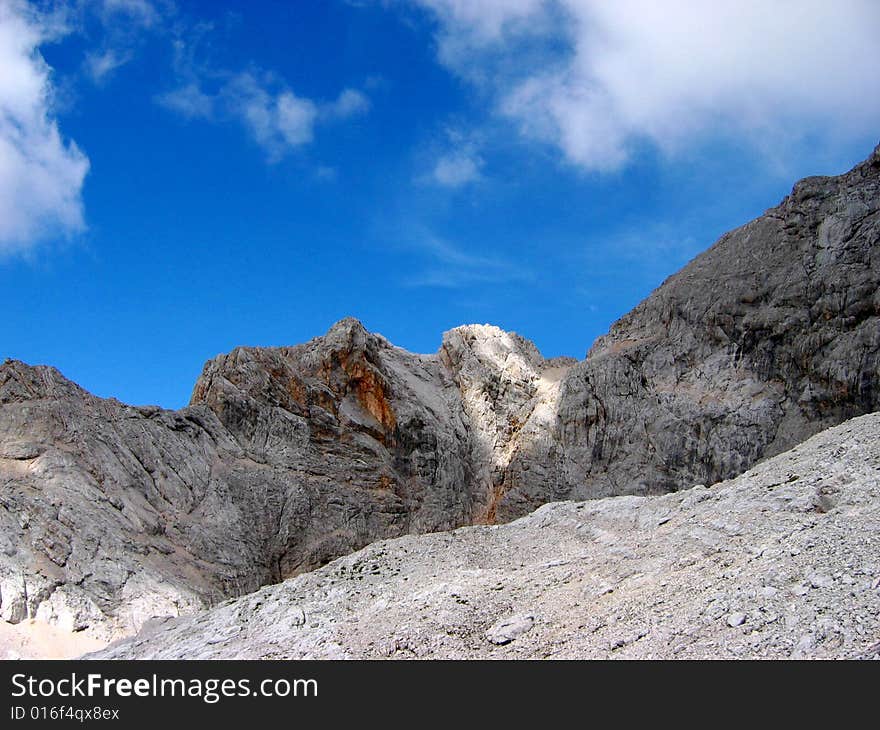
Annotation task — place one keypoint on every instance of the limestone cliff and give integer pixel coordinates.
(285, 459)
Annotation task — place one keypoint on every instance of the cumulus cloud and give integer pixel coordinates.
(41, 174)
(277, 119)
(599, 78)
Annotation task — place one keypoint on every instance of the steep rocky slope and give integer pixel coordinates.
(763, 340)
(783, 561)
(286, 459)
(289, 457)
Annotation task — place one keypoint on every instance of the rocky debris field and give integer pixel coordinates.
(780, 562)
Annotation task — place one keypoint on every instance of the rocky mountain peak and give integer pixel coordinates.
(765, 338)
(348, 339)
(20, 381)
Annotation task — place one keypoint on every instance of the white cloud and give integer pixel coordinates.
(295, 118)
(455, 160)
(189, 101)
(41, 174)
(125, 24)
(141, 12)
(480, 21)
(276, 117)
(457, 168)
(612, 75)
(279, 120)
(350, 102)
(99, 65)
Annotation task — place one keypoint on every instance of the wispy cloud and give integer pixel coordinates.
(101, 64)
(455, 161)
(448, 266)
(349, 103)
(598, 79)
(660, 244)
(189, 101)
(141, 12)
(125, 24)
(275, 117)
(41, 174)
(457, 168)
(326, 173)
(277, 121)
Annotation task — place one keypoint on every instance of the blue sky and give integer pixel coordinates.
(178, 178)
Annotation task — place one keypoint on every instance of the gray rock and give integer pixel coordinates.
(506, 630)
(818, 580)
(432, 596)
(762, 341)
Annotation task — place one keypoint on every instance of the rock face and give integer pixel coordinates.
(289, 457)
(285, 459)
(111, 514)
(762, 341)
(781, 562)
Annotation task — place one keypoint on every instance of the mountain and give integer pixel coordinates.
(285, 459)
(780, 562)
(763, 340)
(289, 457)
